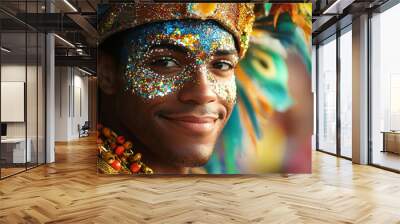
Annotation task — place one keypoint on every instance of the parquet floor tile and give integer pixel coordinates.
(70, 191)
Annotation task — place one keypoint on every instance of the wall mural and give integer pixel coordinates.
(204, 88)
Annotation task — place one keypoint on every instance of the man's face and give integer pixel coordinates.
(179, 88)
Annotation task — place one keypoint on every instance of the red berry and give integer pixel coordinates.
(116, 165)
(119, 150)
(121, 140)
(128, 145)
(113, 145)
(106, 132)
(135, 167)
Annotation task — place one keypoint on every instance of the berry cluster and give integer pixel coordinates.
(118, 153)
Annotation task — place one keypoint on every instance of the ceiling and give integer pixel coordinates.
(75, 21)
(331, 15)
(72, 20)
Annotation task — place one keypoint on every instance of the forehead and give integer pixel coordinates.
(194, 35)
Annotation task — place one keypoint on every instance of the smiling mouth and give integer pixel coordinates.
(199, 125)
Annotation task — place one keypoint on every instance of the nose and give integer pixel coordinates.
(199, 90)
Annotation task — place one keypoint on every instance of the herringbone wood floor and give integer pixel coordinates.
(70, 191)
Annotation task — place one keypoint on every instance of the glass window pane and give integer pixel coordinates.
(346, 94)
(13, 87)
(385, 89)
(23, 81)
(327, 97)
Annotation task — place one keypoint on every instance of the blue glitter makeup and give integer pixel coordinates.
(199, 39)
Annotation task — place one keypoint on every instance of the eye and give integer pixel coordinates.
(223, 65)
(165, 62)
(263, 63)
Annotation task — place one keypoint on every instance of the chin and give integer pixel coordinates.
(190, 156)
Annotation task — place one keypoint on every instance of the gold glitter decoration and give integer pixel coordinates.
(203, 9)
(237, 18)
(224, 89)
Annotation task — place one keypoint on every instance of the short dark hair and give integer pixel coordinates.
(113, 46)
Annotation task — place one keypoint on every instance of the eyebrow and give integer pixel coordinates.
(184, 50)
(169, 46)
(225, 52)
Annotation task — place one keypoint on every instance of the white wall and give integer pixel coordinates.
(80, 112)
(16, 73)
(71, 94)
(61, 103)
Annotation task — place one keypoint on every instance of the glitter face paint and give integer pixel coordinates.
(200, 39)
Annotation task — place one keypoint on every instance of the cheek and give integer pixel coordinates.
(224, 89)
(135, 113)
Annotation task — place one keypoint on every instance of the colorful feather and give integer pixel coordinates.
(262, 78)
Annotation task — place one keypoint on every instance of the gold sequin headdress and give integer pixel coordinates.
(237, 18)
